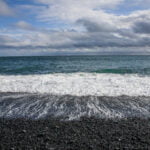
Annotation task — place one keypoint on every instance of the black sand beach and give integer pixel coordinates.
(84, 134)
(40, 130)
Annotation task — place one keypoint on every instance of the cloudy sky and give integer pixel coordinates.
(60, 27)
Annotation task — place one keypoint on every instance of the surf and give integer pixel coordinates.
(78, 84)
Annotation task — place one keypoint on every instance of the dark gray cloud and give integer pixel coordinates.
(76, 40)
(92, 26)
(109, 40)
(142, 27)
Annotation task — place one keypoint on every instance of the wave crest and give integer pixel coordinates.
(79, 84)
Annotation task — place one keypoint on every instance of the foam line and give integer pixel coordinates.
(78, 84)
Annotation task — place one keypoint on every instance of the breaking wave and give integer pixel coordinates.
(78, 84)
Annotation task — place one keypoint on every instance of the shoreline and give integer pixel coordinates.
(84, 134)
(68, 107)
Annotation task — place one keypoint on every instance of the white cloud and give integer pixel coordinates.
(24, 25)
(72, 10)
(141, 3)
(101, 32)
(5, 10)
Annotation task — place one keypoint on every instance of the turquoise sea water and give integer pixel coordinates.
(72, 64)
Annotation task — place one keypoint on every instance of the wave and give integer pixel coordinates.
(28, 70)
(140, 71)
(78, 84)
(67, 107)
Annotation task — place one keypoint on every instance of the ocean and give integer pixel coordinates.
(71, 87)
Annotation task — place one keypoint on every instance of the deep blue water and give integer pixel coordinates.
(71, 64)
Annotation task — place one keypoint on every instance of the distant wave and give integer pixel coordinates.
(37, 106)
(144, 71)
(28, 70)
(79, 84)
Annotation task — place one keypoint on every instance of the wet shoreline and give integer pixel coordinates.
(69, 107)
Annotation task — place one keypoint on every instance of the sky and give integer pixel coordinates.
(68, 27)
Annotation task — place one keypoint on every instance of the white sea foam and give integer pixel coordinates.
(78, 84)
